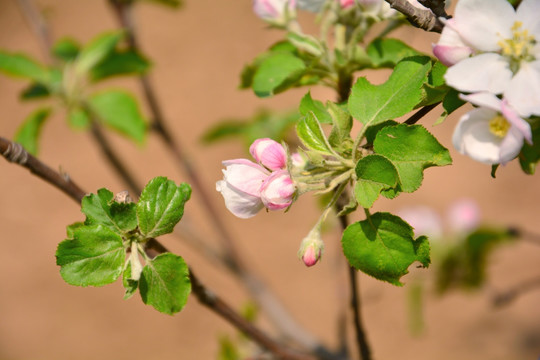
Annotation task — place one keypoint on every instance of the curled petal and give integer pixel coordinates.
(513, 117)
(278, 190)
(245, 176)
(269, 153)
(237, 202)
(450, 49)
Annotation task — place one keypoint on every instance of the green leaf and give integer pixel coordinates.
(277, 72)
(101, 209)
(411, 148)
(435, 89)
(35, 91)
(165, 283)
(70, 229)
(120, 63)
(161, 206)
(21, 65)
(130, 285)
(530, 154)
(374, 173)
(307, 104)
(66, 49)
(29, 131)
(95, 256)
(78, 119)
(383, 247)
(386, 53)
(373, 104)
(371, 132)
(120, 111)
(169, 3)
(341, 124)
(97, 50)
(311, 134)
(451, 102)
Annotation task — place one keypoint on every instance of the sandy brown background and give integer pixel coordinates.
(198, 54)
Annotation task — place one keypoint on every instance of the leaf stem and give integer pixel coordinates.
(414, 118)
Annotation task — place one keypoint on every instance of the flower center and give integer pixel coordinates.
(499, 126)
(519, 47)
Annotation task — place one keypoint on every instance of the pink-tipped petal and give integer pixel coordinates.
(269, 153)
(277, 191)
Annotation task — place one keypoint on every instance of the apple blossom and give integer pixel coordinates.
(493, 133)
(463, 215)
(278, 190)
(424, 220)
(241, 187)
(505, 49)
(269, 153)
(312, 247)
(346, 3)
(274, 10)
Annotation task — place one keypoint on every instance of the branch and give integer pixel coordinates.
(15, 153)
(437, 6)
(38, 25)
(424, 19)
(414, 118)
(361, 340)
(504, 298)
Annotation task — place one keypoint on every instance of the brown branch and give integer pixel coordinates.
(38, 25)
(506, 297)
(436, 6)
(15, 153)
(414, 118)
(361, 339)
(424, 19)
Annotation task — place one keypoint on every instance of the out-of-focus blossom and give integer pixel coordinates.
(298, 161)
(312, 247)
(424, 220)
(376, 8)
(346, 3)
(275, 11)
(277, 191)
(241, 187)
(506, 51)
(493, 133)
(463, 215)
(269, 153)
(311, 5)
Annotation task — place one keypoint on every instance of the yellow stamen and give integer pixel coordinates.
(499, 126)
(519, 47)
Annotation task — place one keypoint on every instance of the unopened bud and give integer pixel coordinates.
(311, 248)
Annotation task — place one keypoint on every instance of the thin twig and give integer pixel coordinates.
(37, 23)
(15, 153)
(279, 316)
(424, 19)
(420, 114)
(361, 340)
(437, 6)
(506, 297)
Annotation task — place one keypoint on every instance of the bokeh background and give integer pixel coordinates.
(198, 53)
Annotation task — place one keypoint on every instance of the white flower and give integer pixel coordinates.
(275, 11)
(506, 47)
(493, 133)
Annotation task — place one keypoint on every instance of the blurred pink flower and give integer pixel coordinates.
(463, 215)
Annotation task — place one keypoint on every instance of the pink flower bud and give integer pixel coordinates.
(278, 190)
(273, 10)
(312, 247)
(269, 153)
(241, 187)
(346, 3)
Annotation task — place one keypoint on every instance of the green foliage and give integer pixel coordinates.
(307, 104)
(23, 66)
(165, 283)
(310, 133)
(119, 110)
(28, 133)
(374, 173)
(386, 53)
(464, 265)
(306, 43)
(66, 49)
(530, 154)
(411, 148)
(373, 104)
(97, 50)
(35, 91)
(341, 124)
(169, 3)
(95, 256)
(78, 118)
(277, 72)
(161, 206)
(263, 124)
(451, 102)
(126, 62)
(434, 90)
(95, 252)
(383, 246)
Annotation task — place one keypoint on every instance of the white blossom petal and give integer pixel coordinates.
(513, 117)
(483, 23)
(239, 203)
(523, 92)
(484, 72)
(528, 13)
(483, 99)
(510, 146)
(245, 176)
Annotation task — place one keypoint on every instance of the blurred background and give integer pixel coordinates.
(198, 53)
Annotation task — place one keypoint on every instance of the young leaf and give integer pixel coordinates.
(101, 209)
(374, 173)
(161, 206)
(66, 49)
(383, 246)
(120, 111)
(165, 283)
(95, 256)
(451, 103)
(130, 285)
(78, 119)
(341, 124)
(20, 65)
(95, 51)
(386, 53)
(35, 91)
(373, 104)
(307, 104)
(276, 72)
(306, 43)
(28, 133)
(411, 148)
(311, 134)
(435, 89)
(120, 63)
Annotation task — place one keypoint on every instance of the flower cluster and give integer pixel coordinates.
(493, 52)
(247, 187)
